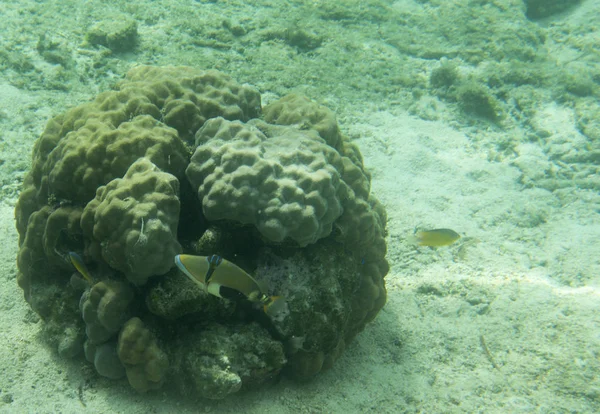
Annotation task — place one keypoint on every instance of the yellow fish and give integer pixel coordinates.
(77, 262)
(435, 237)
(218, 276)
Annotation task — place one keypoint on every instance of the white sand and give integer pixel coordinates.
(505, 282)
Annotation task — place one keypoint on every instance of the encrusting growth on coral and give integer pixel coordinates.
(174, 161)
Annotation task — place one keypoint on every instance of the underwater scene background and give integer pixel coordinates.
(479, 118)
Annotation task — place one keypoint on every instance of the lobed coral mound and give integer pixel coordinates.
(284, 181)
(181, 160)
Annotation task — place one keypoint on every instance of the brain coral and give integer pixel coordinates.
(179, 160)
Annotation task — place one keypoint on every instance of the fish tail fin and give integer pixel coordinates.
(270, 301)
(413, 239)
(276, 306)
(88, 278)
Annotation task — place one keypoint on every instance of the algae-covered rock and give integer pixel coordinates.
(175, 296)
(537, 9)
(435, 25)
(70, 343)
(477, 99)
(286, 198)
(340, 293)
(119, 34)
(223, 359)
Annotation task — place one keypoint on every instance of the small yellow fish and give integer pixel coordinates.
(219, 277)
(435, 237)
(77, 261)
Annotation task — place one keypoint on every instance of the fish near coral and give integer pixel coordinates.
(78, 263)
(225, 279)
(435, 237)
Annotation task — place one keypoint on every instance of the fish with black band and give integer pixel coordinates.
(218, 276)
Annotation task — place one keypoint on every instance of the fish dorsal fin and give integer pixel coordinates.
(194, 267)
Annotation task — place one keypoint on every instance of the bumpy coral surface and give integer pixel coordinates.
(145, 362)
(105, 359)
(284, 181)
(177, 160)
(132, 222)
(104, 309)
